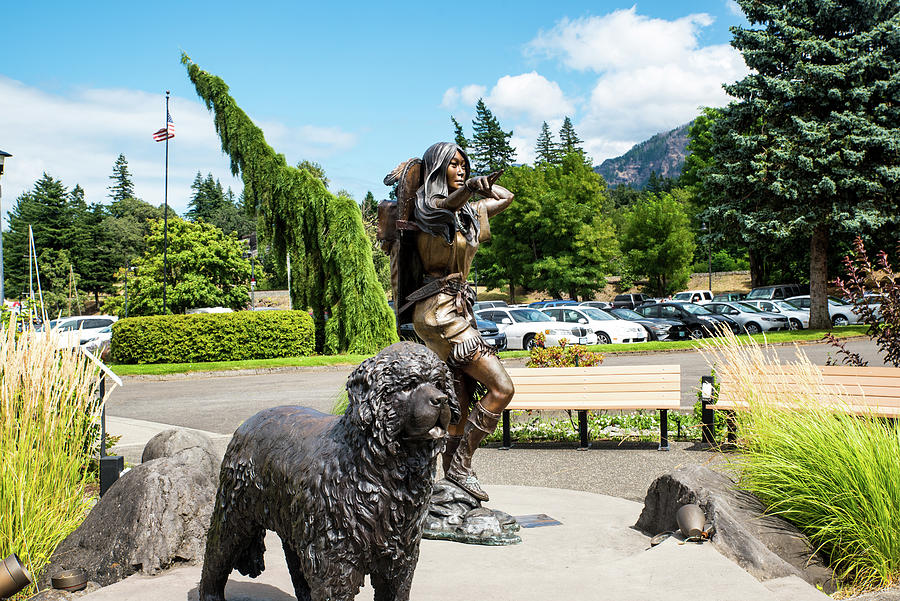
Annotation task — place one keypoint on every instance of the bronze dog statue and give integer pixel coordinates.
(347, 494)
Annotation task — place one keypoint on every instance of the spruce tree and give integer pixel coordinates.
(813, 143)
(490, 150)
(569, 141)
(332, 270)
(458, 135)
(545, 149)
(122, 186)
(370, 208)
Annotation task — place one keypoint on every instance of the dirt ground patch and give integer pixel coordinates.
(726, 281)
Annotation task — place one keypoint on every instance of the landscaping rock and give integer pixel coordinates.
(154, 516)
(766, 546)
(169, 442)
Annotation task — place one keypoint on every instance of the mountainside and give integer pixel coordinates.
(663, 153)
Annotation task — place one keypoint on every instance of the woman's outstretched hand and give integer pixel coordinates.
(483, 185)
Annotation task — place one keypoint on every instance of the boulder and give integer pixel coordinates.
(169, 442)
(766, 546)
(52, 594)
(154, 516)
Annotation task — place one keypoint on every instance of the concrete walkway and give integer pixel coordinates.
(592, 555)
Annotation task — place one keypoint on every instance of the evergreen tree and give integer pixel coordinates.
(46, 209)
(813, 144)
(90, 249)
(569, 141)
(490, 150)
(122, 186)
(331, 258)
(208, 199)
(546, 150)
(370, 208)
(458, 136)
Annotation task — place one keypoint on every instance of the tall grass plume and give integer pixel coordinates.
(810, 460)
(48, 404)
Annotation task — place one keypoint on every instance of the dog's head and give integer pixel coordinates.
(405, 393)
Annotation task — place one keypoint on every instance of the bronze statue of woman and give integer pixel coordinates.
(447, 226)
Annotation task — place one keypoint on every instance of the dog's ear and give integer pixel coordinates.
(361, 394)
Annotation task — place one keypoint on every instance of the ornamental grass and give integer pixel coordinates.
(48, 405)
(833, 474)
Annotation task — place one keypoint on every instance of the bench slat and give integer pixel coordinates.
(592, 388)
(638, 380)
(599, 369)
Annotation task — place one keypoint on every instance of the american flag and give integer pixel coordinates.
(166, 132)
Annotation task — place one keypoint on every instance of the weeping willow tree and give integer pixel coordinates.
(332, 271)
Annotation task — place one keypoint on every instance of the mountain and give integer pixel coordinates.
(663, 153)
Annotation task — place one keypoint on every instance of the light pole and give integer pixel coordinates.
(704, 229)
(3, 156)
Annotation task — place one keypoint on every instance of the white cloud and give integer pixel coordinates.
(734, 8)
(529, 95)
(467, 96)
(652, 74)
(76, 138)
(621, 39)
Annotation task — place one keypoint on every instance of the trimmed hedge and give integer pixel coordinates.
(212, 337)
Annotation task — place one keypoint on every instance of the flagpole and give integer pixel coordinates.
(166, 209)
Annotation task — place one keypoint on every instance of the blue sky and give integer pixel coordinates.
(356, 87)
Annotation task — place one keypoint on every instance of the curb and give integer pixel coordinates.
(343, 366)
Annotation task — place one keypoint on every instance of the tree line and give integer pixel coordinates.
(85, 249)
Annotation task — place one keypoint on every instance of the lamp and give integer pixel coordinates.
(691, 520)
(3, 156)
(13, 575)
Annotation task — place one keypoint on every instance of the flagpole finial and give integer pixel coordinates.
(167, 92)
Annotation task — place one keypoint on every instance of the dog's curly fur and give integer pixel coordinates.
(347, 495)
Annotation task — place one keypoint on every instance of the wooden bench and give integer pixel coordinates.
(859, 390)
(603, 387)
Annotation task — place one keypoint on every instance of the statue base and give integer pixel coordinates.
(457, 516)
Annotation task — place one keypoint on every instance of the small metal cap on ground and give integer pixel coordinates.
(70, 580)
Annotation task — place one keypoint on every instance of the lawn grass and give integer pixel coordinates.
(320, 360)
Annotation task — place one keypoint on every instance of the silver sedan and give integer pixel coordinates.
(751, 319)
(799, 318)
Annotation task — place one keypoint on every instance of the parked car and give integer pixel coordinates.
(693, 296)
(873, 300)
(488, 304)
(522, 325)
(841, 313)
(596, 304)
(779, 292)
(701, 322)
(727, 297)
(630, 301)
(556, 302)
(657, 327)
(488, 330)
(97, 343)
(609, 329)
(797, 318)
(72, 330)
(750, 318)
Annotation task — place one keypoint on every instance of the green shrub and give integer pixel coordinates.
(212, 337)
(834, 475)
(48, 414)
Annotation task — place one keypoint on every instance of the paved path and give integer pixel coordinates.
(593, 555)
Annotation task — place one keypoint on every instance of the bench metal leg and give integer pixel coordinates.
(732, 427)
(507, 439)
(663, 430)
(707, 415)
(583, 430)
